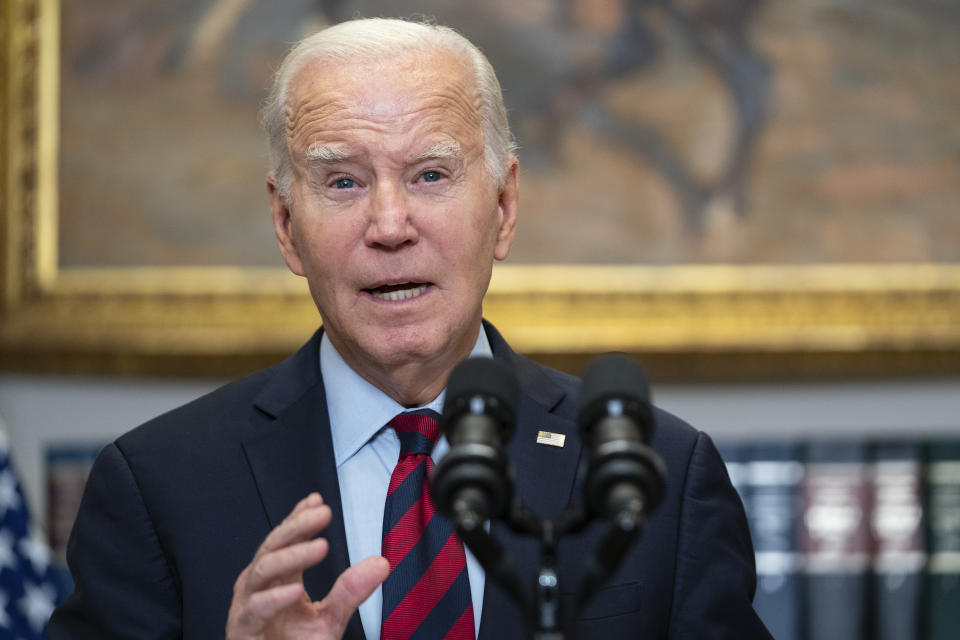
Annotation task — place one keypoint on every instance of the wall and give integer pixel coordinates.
(38, 410)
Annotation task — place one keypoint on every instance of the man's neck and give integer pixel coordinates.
(415, 382)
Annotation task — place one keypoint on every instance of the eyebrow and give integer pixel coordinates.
(326, 155)
(448, 149)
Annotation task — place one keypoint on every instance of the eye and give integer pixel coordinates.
(432, 176)
(344, 183)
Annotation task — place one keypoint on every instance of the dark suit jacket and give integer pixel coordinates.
(174, 510)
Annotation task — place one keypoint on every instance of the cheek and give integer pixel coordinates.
(325, 240)
(315, 252)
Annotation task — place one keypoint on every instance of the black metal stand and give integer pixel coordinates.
(543, 611)
(623, 478)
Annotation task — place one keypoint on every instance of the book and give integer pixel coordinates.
(943, 541)
(898, 538)
(773, 476)
(835, 539)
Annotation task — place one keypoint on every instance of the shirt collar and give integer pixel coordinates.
(357, 409)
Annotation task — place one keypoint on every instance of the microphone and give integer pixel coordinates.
(625, 477)
(472, 483)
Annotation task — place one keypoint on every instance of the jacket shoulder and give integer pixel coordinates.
(212, 414)
(228, 410)
(670, 431)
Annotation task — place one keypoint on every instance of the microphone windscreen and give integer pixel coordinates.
(484, 377)
(614, 376)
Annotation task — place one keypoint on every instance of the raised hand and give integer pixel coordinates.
(269, 599)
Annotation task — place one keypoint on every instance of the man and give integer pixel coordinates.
(393, 189)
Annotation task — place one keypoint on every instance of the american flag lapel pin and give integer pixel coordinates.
(551, 439)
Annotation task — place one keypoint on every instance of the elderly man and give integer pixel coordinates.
(393, 189)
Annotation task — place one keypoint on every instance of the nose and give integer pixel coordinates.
(389, 223)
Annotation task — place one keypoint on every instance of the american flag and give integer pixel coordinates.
(28, 583)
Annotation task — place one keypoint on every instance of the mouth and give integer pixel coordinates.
(399, 292)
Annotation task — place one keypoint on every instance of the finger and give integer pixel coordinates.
(299, 526)
(353, 587)
(284, 565)
(262, 606)
(313, 499)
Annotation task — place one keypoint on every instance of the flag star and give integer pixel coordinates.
(37, 604)
(7, 557)
(4, 616)
(37, 552)
(9, 496)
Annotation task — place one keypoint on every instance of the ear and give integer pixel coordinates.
(283, 227)
(507, 211)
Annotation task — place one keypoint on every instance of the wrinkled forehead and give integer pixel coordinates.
(436, 84)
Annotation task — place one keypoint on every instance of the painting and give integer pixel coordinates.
(732, 186)
(650, 131)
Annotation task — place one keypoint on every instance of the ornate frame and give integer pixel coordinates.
(686, 322)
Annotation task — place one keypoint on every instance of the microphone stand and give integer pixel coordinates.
(544, 611)
(623, 478)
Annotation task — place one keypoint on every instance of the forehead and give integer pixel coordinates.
(411, 92)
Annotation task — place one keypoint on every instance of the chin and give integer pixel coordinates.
(398, 345)
(403, 346)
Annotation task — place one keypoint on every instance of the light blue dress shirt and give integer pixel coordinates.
(366, 453)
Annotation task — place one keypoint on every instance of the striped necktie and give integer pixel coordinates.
(427, 594)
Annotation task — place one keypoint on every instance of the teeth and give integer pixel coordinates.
(400, 294)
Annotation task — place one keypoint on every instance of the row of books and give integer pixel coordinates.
(853, 540)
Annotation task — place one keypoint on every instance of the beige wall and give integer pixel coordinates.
(38, 410)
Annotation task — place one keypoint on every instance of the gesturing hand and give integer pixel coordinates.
(269, 599)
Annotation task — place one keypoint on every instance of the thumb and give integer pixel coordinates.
(353, 587)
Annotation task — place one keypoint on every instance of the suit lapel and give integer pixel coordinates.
(293, 456)
(545, 474)
(544, 478)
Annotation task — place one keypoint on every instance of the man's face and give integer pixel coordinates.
(393, 217)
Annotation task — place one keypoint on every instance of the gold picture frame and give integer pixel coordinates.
(687, 323)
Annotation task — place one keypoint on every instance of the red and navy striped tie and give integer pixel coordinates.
(427, 594)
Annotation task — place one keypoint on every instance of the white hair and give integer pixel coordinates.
(374, 39)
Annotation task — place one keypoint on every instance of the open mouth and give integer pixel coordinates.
(398, 292)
